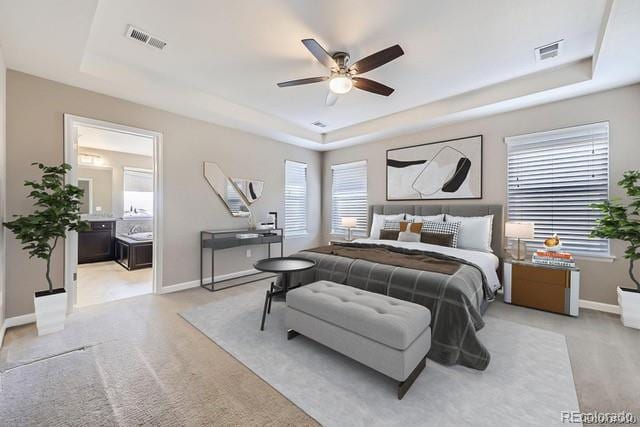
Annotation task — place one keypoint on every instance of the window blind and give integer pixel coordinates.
(553, 177)
(295, 198)
(349, 196)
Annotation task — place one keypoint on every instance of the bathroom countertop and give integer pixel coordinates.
(100, 219)
(130, 241)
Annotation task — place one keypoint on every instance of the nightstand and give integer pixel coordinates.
(554, 289)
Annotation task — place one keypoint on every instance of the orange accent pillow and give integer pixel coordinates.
(413, 227)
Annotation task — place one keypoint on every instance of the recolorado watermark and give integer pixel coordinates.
(575, 417)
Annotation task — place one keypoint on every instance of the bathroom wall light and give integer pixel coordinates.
(90, 159)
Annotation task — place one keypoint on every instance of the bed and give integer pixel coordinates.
(422, 273)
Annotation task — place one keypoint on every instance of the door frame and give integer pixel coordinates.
(71, 157)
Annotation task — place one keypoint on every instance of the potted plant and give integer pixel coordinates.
(57, 211)
(622, 222)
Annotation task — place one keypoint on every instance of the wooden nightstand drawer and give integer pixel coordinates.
(554, 289)
(539, 295)
(540, 274)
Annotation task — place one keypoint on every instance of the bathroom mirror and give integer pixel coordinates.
(251, 189)
(225, 189)
(98, 186)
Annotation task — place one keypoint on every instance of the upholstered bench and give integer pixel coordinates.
(389, 335)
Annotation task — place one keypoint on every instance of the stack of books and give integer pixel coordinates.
(555, 259)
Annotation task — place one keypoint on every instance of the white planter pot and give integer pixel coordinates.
(51, 310)
(629, 303)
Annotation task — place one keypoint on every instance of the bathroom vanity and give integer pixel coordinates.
(96, 244)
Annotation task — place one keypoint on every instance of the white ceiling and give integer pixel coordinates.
(463, 58)
(103, 139)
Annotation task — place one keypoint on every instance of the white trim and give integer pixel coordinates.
(592, 258)
(196, 283)
(25, 319)
(70, 157)
(3, 329)
(599, 306)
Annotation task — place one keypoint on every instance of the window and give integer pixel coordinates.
(295, 198)
(553, 177)
(349, 196)
(138, 193)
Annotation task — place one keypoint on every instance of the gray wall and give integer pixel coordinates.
(621, 107)
(3, 193)
(35, 110)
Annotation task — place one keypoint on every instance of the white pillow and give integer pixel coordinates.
(425, 218)
(475, 232)
(378, 222)
(407, 236)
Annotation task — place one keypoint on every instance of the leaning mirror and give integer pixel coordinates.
(251, 189)
(225, 189)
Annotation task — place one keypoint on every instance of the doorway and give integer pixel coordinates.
(119, 167)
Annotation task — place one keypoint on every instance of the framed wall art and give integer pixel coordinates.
(440, 170)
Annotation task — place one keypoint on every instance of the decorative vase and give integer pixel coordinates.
(629, 302)
(51, 310)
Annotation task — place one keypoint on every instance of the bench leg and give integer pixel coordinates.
(291, 334)
(404, 386)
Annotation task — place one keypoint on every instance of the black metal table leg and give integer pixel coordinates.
(267, 299)
(270, 293)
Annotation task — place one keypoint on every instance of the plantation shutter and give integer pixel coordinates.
(553, 177)
(295, 198)
(349, 196)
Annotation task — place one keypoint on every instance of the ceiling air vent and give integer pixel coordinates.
(549, 51)
(144, 37)
(319, 124)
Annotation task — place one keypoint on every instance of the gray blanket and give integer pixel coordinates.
(456, 301)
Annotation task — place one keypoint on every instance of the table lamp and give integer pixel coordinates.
(519, 230)
(349, 222)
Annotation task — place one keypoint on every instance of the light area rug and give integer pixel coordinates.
(528, 382)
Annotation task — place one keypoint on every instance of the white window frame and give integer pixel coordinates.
(336, 214)
(303, 230)
(126, 169)
(554, 139)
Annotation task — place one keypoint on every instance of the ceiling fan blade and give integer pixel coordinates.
(372, 86)
(332, 98)
(319, 53)
(377, 59)
(303, 81)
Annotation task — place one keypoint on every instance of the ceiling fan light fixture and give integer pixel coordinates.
(340, 84)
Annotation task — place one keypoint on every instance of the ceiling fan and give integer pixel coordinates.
(344, 77)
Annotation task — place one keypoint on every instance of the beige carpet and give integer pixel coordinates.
(142, 365)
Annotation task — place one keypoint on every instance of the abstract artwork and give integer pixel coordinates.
(449, 169)
(251, 189)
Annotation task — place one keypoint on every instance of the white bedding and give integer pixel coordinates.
(487, 262)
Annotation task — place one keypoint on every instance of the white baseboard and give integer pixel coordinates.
(600, 306)
(195, 283)
(25, 319)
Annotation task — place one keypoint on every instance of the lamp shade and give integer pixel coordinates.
(349, 221)
(519, 230)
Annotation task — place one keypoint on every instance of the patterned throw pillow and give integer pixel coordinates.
(452, 228)
(392, 225)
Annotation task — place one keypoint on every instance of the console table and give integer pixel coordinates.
(216, 240)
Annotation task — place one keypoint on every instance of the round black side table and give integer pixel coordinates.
(285, 266)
